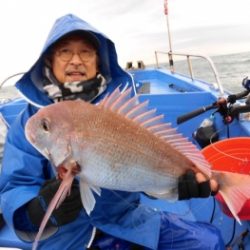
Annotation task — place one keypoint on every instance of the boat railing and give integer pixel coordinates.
(10, 77)
(217, 84)
(9, 93)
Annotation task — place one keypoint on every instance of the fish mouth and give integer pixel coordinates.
(70, 166)
(64, 159)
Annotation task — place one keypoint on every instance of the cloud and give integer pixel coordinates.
(138, 28)
(215, 39)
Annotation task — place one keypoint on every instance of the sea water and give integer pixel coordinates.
(232, 69)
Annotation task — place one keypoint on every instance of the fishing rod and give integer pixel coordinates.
(229, 109)
(225, 106)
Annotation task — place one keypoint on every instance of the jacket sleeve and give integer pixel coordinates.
(24, 169)
(122, 215)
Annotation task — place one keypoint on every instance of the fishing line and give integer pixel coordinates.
(244, 160)
(214, 203)
(233, 234)
(213, 212)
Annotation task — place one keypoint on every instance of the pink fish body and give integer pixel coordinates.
(119, 145)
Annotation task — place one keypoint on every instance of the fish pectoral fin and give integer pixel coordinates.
(88, 199)
(96, 189)
(170, 195)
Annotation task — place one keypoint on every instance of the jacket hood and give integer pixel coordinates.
(31, 83)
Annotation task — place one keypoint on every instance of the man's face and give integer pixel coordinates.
(74, 59)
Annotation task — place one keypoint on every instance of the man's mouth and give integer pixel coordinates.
(75, 73)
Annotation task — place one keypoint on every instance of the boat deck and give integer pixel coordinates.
(173, 95)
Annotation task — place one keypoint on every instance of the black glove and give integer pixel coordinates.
(188, 187)
(65, 213)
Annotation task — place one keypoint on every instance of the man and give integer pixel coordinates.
(80, 62)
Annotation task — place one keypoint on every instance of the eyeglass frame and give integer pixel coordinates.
(91, 53)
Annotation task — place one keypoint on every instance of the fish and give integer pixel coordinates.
(122, 144)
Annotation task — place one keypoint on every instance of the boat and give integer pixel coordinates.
(186, 102)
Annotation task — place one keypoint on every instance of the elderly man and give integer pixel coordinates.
(79, 62)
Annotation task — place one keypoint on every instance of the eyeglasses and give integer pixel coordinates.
(66, 54)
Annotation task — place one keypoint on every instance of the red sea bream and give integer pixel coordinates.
(121, 145)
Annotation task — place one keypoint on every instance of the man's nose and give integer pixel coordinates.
(76, 59)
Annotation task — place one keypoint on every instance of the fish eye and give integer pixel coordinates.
(45, 125)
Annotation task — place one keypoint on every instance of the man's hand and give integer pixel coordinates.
(65, 213)
(191, 185)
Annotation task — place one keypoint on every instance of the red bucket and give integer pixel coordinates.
(231, 155)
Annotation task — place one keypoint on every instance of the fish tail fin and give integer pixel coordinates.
(235, 190)
(59, 197)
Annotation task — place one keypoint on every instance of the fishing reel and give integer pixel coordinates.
(207, 133)
(246, 85)
(227, 107)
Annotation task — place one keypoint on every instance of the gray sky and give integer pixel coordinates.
(138, 27)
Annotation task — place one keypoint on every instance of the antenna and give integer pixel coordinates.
(170, 55)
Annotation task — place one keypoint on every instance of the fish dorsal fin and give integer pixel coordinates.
(130, 107)
(109, 100)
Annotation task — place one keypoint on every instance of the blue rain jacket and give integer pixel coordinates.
(25, 170)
